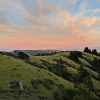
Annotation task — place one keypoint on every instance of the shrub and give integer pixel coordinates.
(87, 50)
(47, 83)
(94, 51)
(74, 55)
(14, 84)
(34, 83)
(83, 93)
(22, 55)
(96, 63)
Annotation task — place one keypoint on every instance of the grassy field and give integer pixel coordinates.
(42, 71)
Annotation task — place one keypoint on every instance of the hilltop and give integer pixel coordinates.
(50, 76)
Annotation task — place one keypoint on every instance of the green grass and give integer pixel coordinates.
(72, 67)
(71, 70)
(16, 69)
(12, 68)
(96, 83)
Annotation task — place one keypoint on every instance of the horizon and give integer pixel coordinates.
(49, 24)
(59, 49)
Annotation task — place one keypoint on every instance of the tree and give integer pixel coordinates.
(59, 69)
(83, 93)
(14, 85)
(94, 51)
(59, 65)
(96, 64)
(87, 50)
(85, 77)
(84, 89)
(22, 55)
(75, 55)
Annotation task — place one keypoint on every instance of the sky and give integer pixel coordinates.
(49, 24)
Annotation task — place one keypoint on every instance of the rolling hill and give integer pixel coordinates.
(47, 77)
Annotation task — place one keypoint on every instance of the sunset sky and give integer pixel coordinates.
(49, 24)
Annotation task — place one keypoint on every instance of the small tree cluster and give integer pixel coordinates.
(96, 63)
(84, 93)
(94, 51)
(87, 50)
(59, 64)
(75, 55)
(59, 69)
(85, 77)
(22, 55)
(14, 84)
(47, 83)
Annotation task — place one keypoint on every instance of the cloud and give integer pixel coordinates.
(49, 26)
(72, 2)
(77, 21)
(87, 8)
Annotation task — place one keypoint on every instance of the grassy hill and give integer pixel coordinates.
(43, 77)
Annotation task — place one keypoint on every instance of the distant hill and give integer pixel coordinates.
(35, 52)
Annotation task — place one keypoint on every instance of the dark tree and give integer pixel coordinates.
(14, 84)
(85, 77)
(59, 65)
(87, 50)
(94, 51)
(75, 55)
(22, 55)
(59, 69)
(84, 93)
(96, 64)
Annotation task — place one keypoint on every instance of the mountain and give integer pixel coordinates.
(50, 77)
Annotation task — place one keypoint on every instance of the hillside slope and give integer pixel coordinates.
(16, 69)
(41, 76)
(71, 67)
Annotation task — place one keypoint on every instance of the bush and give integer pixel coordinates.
(22, 55)
(34, 83)
(75, 55)
(94, 52)
(87, 50)
(96, 64)
(83, 93)
(47, 83)
(14, 85)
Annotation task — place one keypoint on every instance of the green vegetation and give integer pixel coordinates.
(57, 76)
